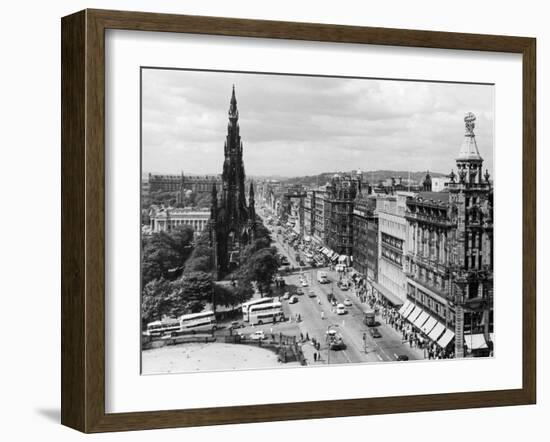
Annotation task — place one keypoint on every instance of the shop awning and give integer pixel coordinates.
(436, 332)
(414, 313)
(475, 341)
(446, 338)
(404, 307)
(408, 310)
(422, 318)
(393, 299)
(428, 325)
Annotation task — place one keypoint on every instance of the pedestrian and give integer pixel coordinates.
(307, 336)
(301, 336)
(322, 315)
(314, 356)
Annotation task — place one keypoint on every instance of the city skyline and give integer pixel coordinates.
(350, 124)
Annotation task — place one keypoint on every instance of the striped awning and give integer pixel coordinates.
(436, 332)
(404, 307)
(422, 318)
(428, 325)
(414, 313)
(408, 310)
(446, 338)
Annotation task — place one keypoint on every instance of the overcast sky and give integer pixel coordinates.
(308, 125)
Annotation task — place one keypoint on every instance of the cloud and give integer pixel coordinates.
(296, 125)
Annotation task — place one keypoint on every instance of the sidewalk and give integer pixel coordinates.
(308, 350)
(418, 352)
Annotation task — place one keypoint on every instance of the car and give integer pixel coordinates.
(344, 285)
(286, 296)
(293, 299)
(341, 309)
(374, 332)
(347, 302)
(402, 358)
(304, 283)
(257, 335)
(299, 291)
(311, 294)
(236, 324)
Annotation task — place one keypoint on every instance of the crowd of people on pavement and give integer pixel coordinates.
(409, 333)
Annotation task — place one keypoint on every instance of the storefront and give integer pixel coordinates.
(382, 293)
(425, 323)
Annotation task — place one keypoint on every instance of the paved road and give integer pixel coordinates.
(350, 325)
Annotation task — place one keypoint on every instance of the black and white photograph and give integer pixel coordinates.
(304, 221)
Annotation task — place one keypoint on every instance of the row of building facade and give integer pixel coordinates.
(429, 244)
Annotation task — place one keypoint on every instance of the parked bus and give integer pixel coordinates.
(369, 318)
(264, 313)
(159, 328)
(204, 321)
(246, 305)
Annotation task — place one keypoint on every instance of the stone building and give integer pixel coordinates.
(183, 183)
(392, 242)
(341, 194)
(450, 259)
(321, 215)
(365, 246)
(309, 213)
(164, 219)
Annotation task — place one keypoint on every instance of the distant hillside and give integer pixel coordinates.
(374, 176)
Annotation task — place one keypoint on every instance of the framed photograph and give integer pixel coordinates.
(266, 221)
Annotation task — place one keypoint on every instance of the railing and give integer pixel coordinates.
(415, 216)
(437, 290)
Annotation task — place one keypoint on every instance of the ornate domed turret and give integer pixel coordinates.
(468, 150)
(469, 161)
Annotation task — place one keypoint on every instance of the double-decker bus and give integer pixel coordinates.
(159, 328)
(264, 313)
(246, 305)
(195, 322)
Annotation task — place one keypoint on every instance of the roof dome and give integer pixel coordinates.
(469, 150)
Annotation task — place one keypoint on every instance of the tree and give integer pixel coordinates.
(255, 246)
(156, 300)
(262, 266)
(262, 232)
(165, 252)
(201, 259)
(191, 292)
(229, 294)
